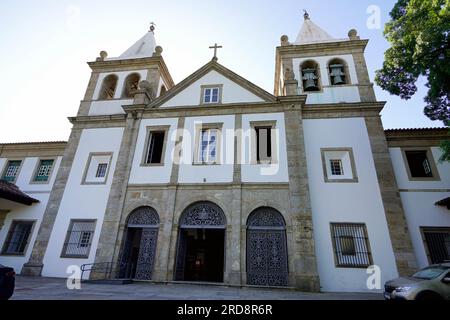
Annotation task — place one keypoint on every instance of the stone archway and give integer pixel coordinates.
(201, 243)
(267, 263)
(141, 235)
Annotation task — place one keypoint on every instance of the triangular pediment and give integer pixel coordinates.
(235, 89)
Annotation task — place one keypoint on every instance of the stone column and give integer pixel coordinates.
(365, 87)
(166, 239)
(35, 264)
(302, 256)
(395, 216)
(234, 255)
(106, 249)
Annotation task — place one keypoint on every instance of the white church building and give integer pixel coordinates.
(216, 180)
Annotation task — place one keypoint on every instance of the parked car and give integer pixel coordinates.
(430, 283)
(7, 282)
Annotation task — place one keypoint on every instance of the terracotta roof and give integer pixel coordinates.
(33, 142)
(10, 191)
(416, 129)
(444, 203)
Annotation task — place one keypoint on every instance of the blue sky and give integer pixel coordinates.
(45, 46)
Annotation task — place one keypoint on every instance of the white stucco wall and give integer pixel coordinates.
(34, 212)
(231, 92)
(153, 174)
(82, 201)
(107, 107)
(329, 94)
(346, 202)
(223, 172)
(418, 198)
(277, 172)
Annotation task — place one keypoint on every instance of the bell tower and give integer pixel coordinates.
(326, 69)
(114, 81)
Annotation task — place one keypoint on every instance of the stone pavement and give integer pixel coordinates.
(41, 288)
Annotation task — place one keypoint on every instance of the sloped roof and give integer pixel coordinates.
(213, 65)
(312, 33)
(10, 191)
(143, 48)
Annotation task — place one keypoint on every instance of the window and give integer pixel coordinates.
(78, 239)
(339, 165)
(437, 243)
(263, 144)
(211, 94)
(12, 170)
(310, 76)
(101, 170)
(420, 164)
(130, 86)
(336, 167)
(351, 245)
(208, 146)
(155, 146)
(44, 170)
(97, 168)
(108, 89)
(338, 72)
(18, 237)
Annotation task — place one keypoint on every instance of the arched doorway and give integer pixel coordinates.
(266, 248)
(139, 249)
(201, 243)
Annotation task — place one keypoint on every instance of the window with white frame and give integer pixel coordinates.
(11, 170)
(420, 164)
(338, 165)
(97, 168)
(351, 245)
(208, 145)
(79, 239)
(44, 170)
(211, 94)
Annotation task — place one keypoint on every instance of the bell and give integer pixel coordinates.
(309, 75)
(337, 74)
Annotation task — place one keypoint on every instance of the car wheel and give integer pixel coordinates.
(428, 295)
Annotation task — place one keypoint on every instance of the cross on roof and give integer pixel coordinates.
(215, 47)
(152, 26)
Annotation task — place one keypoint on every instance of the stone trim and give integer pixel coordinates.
(209, 186)
(32, 149)
(352, 164)
(237, 149)
(434, 171)
(25, 250)
(423, 229)
(5, 167)
(211, 86)
(35, 264)
(67, 238)
(88, 164)
(424, 190)
(198, 129)
(425, 137)
(398, 229)
(273, 141)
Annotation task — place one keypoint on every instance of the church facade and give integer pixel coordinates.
(216, 180)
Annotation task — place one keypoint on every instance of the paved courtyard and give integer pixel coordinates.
(32, 288)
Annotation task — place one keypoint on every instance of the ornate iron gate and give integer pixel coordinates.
(146, 219)
(266, 248)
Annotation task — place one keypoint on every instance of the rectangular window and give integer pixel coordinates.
(18, 237)
(208, 145)
(211, 94)
(437, 241)
(351, 245)
(101, 170)
(263, 144)
(336, 167)
(11, 171)
(155, 147)
(418, 163)
(44, 170)
(79, 239)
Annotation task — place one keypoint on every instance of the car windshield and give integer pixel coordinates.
(429, 273)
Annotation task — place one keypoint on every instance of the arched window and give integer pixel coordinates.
(338, 72)
(108, 87)
(131, 85)
(162, 91)
(310, 76)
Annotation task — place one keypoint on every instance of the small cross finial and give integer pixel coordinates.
(152, 26)
(305, 14)
(215, 47)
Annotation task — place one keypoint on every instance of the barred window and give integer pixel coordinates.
(437, 243)
(351, 245)
(44, 170)
(79, 239)
(18, 237)
(336, 167)
(101, 170)
(11, 170)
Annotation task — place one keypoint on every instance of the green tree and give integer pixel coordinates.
(419, 33)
